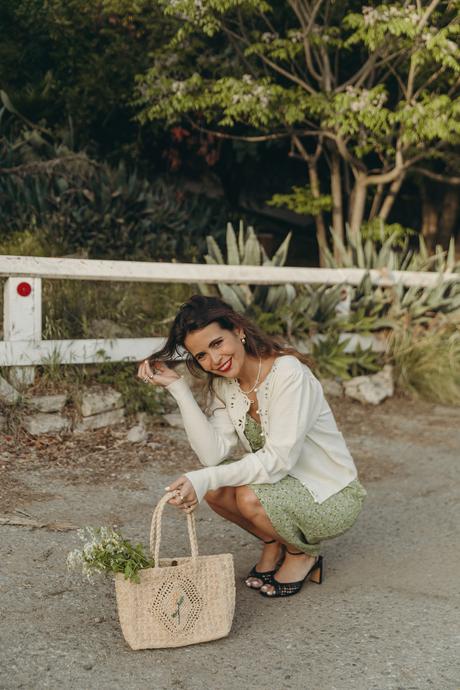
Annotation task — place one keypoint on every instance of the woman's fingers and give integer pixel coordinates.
(186, 495)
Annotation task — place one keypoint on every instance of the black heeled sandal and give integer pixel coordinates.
(265, 577)
(287, 589)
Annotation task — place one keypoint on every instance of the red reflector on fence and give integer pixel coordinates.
(24, 289)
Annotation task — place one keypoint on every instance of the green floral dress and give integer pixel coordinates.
(292, 510)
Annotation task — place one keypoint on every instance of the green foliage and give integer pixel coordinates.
(246, 250)
(312, 310)
(376, 86)
(332, 361)
(79, 59)
(302, 200)
(390, 253)
(107, 551)
(74, 202)
(378, 232)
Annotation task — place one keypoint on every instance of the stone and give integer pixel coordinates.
(174, 419)
(8, 394)
(48, 403)
(97, 421)
(371, 389)
(137, 434)
(143, 418)
(98, 400)
(42, 423)
(331, 388)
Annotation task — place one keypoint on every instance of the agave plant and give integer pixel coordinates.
(246, 250)
(331, 359)
(366, 253)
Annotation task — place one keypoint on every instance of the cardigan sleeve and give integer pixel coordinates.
(295, 404)
(212, 438)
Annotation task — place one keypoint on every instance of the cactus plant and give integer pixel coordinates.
(246, 250)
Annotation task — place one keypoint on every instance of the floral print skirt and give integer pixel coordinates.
(293, 512)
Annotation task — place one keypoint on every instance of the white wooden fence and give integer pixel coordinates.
(23, 345)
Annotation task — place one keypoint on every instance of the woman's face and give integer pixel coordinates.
(217, 350)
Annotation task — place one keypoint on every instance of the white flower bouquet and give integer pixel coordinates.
(107, 551)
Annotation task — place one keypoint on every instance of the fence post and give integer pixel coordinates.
(22, 319)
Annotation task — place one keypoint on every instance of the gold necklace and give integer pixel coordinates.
(254, 388)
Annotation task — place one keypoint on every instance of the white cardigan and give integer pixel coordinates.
(301, 436)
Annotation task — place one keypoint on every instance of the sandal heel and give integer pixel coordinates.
(316, 574)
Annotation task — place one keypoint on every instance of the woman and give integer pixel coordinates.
(297, 482)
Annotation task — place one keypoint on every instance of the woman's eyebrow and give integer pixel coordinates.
(211, 343)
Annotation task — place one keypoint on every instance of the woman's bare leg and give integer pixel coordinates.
(223, 502)
(294, 567)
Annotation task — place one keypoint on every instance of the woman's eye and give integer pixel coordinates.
(218, 343)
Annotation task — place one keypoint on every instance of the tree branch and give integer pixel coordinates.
(253, 139)
(273, 65)
(436, 176)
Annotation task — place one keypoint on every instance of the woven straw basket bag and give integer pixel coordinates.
(180, 601)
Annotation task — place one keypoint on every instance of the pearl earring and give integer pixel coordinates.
(243, 340)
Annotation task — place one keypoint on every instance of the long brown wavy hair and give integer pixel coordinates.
(197, 313)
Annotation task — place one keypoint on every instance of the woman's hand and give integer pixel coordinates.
(159, 374)
(186, 498)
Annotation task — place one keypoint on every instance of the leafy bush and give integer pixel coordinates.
(73, 202)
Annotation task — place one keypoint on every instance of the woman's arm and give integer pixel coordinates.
(293, 410)
(211, 438)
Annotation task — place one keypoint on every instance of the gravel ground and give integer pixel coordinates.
(386, 616)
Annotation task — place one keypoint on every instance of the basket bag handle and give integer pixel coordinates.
(155, 529)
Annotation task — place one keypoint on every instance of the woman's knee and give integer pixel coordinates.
(247, 502)
(217, 496)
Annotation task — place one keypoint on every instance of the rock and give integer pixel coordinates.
(42, 423)
(47, 403)
(8, 394)
(371, 389)
(331, 388)
(143, 418)
(97, 421)
(137, 434)
(99, 400)
(174, 419)
(2, 423)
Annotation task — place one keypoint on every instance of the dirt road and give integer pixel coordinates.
(385, 618)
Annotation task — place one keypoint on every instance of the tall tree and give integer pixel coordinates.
(371, 92)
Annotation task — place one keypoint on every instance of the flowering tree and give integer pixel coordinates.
(370, 92)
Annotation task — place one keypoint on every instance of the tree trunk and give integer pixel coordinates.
(448, 216)
(337, 207)
(358, 204)
(390, 198)
(321, 236)
(429, 222)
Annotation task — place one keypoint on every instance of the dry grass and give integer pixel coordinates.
(427, 360)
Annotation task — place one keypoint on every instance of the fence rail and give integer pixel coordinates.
(155, 272)
(23, 347)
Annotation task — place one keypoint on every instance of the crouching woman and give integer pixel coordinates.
(296, 484)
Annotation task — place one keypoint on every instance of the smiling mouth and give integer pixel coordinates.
(225, 367)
